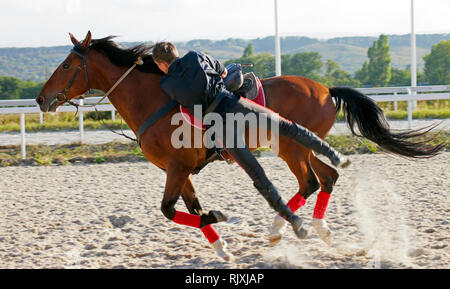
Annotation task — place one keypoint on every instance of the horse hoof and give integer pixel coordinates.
(277, 230)
(274, 240)
(297, 225)
(322, 230)
(218, 216)
(227, 256)
(221, 249)
(302, 233)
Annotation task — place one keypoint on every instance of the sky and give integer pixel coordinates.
(34, 23)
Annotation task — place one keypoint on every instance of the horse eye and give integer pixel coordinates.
(66, 66)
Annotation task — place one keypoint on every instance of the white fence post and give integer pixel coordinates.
(81, 123)
(41, 115)
(22, 136)
(113, 115)
(410, 109)
(395, 102)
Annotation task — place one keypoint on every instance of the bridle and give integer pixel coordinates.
(61, 96)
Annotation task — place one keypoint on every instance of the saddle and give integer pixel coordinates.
(244, 85)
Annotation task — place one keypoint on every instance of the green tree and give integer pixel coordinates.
(377, 72)
(330, 67)
(13, 88)
(335, 76)
(306, 64)
(437, 63)
(10, 87)
(362, 75)
(263, 64)
(29, 89)
(248, 52)
(400, 77)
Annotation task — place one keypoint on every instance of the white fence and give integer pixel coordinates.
(379, 94)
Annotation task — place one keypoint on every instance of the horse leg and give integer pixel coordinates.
(190, 198)
(175, 182)
(297, 159)
(328, 177)
(193, 205)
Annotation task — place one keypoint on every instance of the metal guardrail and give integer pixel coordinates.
(379, 94)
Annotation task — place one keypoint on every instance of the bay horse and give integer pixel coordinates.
(101, 64)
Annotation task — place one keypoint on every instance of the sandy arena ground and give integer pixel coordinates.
(386, 212)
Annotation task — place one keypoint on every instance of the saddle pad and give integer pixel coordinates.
(197, 123)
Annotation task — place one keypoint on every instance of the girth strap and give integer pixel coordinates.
(154, 118)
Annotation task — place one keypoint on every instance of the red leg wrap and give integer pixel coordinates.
(321, 205)
(296, 202)
(210, 233)
(187, 219)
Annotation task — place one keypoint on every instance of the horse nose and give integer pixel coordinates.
(40, 100)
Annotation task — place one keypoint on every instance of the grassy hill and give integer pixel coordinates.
(350, 52)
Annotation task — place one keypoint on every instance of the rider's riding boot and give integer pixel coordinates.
(307, 138)
(272, 196)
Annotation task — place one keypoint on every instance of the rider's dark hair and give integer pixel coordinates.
(164, 52)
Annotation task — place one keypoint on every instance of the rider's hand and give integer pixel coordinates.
(225, 73)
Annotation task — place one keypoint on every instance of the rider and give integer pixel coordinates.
(197, 79)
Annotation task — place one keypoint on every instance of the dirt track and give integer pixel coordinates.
(385, 212)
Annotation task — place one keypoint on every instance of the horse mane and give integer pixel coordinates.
(125, 57)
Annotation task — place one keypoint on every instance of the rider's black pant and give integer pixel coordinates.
(234, 137)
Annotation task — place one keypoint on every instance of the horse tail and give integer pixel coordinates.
(361, 110)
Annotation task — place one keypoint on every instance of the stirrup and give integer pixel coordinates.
(220, 151)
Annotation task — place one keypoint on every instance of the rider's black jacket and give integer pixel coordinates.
(194, 79)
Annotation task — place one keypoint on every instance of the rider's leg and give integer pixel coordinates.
(292, 130)
(234, 144)
(297, 159)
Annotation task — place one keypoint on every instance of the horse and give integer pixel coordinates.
(102, 64)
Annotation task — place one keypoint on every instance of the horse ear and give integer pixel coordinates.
(87, 40)
(73, 39)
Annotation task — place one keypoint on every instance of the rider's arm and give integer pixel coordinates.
(218, 66)
(225, 73)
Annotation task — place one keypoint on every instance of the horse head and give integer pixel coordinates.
(70, 78)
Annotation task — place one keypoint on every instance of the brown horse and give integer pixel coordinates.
(99, 64)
